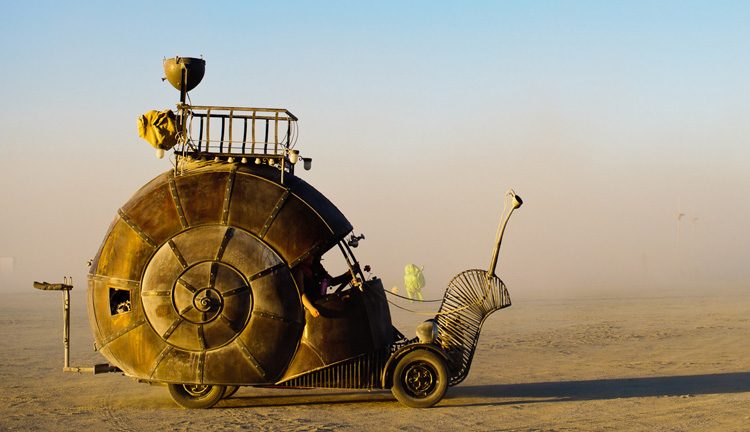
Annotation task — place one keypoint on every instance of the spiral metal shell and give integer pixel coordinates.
(193, 283)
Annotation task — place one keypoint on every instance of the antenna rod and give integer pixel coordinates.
(183, 83)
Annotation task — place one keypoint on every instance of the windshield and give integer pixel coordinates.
(340, 259)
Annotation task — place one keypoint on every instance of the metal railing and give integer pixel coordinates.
(236, 131)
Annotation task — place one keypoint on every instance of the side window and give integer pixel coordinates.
(119, 301)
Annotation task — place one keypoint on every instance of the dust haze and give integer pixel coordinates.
(590, 224)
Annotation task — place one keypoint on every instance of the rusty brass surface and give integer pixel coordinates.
(193, 283)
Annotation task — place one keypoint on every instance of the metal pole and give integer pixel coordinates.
(65, 288)
(66, 322)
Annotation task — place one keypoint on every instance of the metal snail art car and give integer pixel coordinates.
(193, 285)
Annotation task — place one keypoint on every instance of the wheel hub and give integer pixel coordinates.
(197, 390)
(420, 379)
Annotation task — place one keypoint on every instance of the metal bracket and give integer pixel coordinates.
(65, 287)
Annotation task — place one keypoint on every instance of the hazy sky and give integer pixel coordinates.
(607, 118)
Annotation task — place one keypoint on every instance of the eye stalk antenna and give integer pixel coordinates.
(515, 202)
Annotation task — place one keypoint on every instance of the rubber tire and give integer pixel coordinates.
(195, 396)
(230, 391)
(420, 379)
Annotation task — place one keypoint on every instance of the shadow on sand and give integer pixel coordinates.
(686, 385)
(513, 394)
(304, 398)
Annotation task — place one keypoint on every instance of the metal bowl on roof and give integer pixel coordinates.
(194, 69)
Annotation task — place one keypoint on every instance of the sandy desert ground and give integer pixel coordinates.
(644, 364)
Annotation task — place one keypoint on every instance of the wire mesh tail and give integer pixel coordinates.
(470, 297)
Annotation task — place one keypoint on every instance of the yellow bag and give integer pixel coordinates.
(158, 128)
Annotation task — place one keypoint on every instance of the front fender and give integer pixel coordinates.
(387, 379)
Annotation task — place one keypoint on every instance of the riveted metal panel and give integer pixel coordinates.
(296, 228)
(253, 199)
(179, 366)
(123, 254)
(142, 343)
(230, 365)
(202, 196)
(155, 214)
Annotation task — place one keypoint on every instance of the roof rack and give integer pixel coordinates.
(216, 131)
